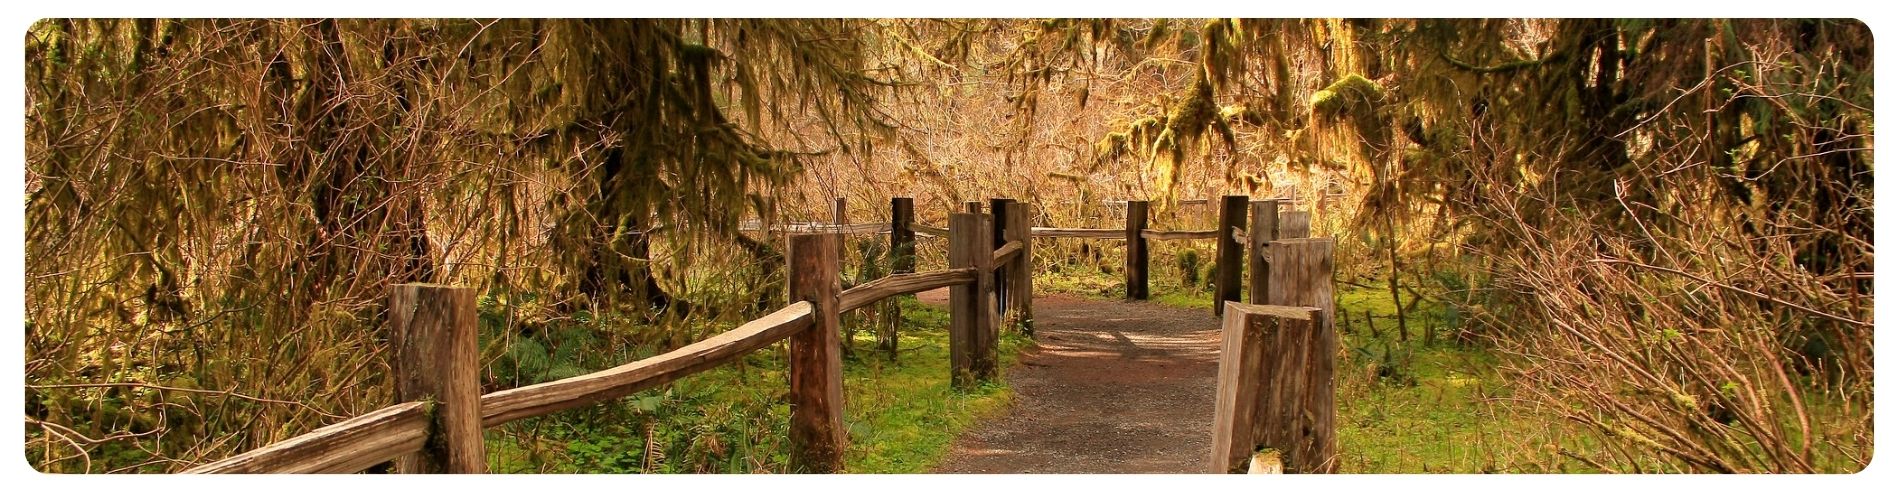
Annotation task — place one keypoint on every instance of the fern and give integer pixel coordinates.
(653, 453)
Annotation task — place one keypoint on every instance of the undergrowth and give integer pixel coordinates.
(1438, 407)
(900, 416)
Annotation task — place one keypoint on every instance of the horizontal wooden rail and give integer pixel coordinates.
(1183, 201)
(1081, 233)
(863, 228)
(930, 230)
(905, 283)
(1088, 233)
(1005, 254)
(1162, 235)
(543, 398)
(348, 446)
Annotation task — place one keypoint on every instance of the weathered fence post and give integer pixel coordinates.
(1295, 224)
(840, 214)
(1301, 273)
(1019, 229)
(1262, 216)
(1136, 250)
(902, 235)
(815, 433)
(1274, 389)
(435, 333)
(903, 259)
(972, 332)
(1002, 233)
(1228, 253)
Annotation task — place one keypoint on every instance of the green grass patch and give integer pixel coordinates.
(1441, 407)
(900, 416)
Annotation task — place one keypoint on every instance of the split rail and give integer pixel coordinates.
(437, 426)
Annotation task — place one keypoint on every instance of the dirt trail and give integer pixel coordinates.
(1113, 387)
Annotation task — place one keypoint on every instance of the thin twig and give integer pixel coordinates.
(228, 392)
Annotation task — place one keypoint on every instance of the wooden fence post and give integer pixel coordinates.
(1136, 250)
(1228, 253)
(1002, 233)
(1018, 226)
(903, 260)
(1262, 219)
(815, 432)
(435, 333)
(1274, 389)
(838, 224)
(1295, 224)
(1301, 273)
(972, 329)
(840, 214)
(902, 235)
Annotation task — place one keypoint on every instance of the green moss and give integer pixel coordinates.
(1342, 95)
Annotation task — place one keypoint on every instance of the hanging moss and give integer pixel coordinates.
(1242, 113)
(1352, 91)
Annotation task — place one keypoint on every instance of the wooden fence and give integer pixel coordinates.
(437, 427)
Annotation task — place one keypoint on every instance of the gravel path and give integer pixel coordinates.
(1113, 387)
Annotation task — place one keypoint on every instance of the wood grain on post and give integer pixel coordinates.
(435, 334)
(1301, 273)
(815, 432)
(1274, 389)
(1022, 267)
(971, 302)
(985, 351)
(1001, 234)
(1262, 219)
(1228, 252)
(1296, 224)
(1136, 251)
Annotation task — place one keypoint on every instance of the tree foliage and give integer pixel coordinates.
(221, 205)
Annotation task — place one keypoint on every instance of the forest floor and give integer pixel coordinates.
(1112, 387)
(1128, 387)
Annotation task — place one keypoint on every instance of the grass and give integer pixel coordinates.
(908, 413)
(1440, 407)
(900, 416)
(1404, 407)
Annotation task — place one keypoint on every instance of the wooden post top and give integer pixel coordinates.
(1289, 312)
